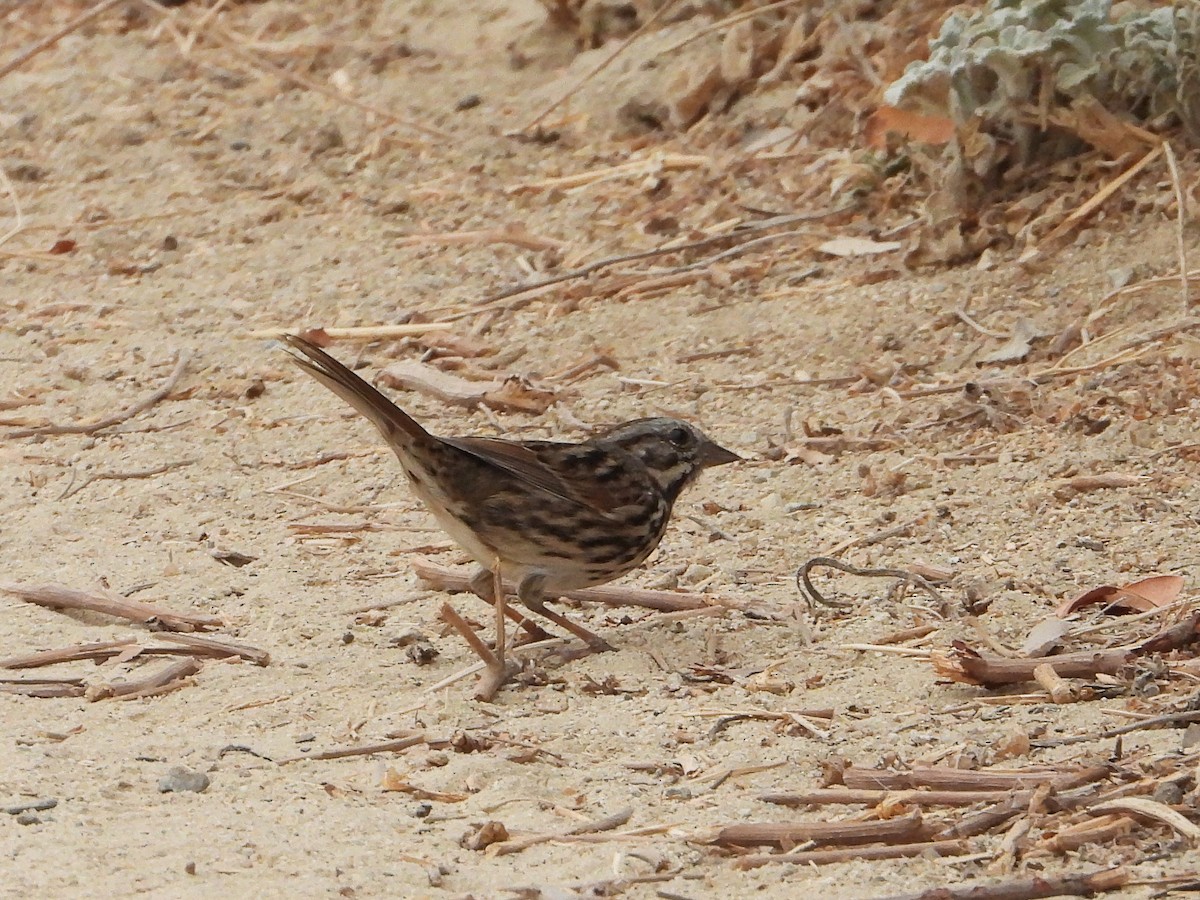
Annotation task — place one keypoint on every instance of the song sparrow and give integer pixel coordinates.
(553, 516)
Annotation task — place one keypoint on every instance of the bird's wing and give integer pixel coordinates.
(540, 463)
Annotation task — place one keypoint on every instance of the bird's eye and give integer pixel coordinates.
(679, 436)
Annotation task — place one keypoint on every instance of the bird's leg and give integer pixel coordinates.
(501, 603)
(530, 591)
(484, 584)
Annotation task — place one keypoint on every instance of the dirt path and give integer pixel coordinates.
(208, 201)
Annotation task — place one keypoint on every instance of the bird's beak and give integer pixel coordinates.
(715, 455)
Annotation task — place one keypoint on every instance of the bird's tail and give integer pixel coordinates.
(395, 424)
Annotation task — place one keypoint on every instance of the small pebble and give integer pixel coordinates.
(421, 654)
(1169, 792)
(180, 779)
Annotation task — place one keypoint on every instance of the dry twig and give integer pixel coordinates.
(445, 579)
(161, 681)
(813, 596)
(403, 743)
(498, 670)
(71, 489)
(849, 854)
(129, 412)
(1071, 885)
(608, 823)
(55, 596)
(899, 830)
(55, 36)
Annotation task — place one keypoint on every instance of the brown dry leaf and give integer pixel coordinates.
(317, 336)
(911, 125)
(512, 393)
(1137, 596)
(1045, 636)
(850, 246)
(1018, 346)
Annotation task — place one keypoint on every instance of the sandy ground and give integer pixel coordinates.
(208, 201)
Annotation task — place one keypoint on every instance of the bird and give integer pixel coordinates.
(551, 516)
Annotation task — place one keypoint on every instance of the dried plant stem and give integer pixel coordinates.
(54, 37)
(361, 332)
(1091, 205)
(161, 681)
(99, 650)
(1181, 218)
(608, 823)
(44, 688)
(181, 361)
(849, 854)
(205, 646)
(901, 829)
(496, 671)
(914, 797)
(55, 596)
(403, 743)
(745, 232)
(1178, 718)
(1079, 885)
(446, 579)
(72, 489)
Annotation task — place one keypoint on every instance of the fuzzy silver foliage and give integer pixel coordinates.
(1000, 60)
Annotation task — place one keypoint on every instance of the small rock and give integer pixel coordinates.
(421, 654)
(180, 779)
(1169, 792)
(468, 102)
(328, 137)
(28, 818)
